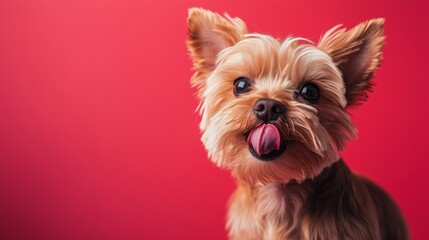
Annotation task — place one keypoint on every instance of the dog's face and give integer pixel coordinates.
(275, 111)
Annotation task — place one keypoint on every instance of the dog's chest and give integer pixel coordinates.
(265, 212)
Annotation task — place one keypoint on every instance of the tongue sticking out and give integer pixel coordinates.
(264, 139)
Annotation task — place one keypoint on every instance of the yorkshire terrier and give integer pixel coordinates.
(275, 114)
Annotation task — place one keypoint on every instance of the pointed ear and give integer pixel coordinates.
(357, 52)
(209, 33)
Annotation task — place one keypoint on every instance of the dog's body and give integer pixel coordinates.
(334, 205)
(275, 114)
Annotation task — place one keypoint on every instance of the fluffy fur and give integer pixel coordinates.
(307, 192)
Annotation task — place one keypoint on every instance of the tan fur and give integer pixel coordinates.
(282, 199)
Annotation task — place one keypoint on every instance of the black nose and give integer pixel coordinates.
(268, 109)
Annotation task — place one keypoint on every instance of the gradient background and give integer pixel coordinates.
(98, 134)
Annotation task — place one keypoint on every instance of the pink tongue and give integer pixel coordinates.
(265, 138)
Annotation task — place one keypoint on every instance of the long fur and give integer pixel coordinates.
(307, 192)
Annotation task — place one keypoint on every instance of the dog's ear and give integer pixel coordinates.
(357, 53)
(209, 33)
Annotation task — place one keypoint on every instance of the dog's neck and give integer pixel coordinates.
(337, 174)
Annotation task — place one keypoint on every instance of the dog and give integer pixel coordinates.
(275, 114)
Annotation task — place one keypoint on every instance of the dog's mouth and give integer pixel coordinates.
(265, 142)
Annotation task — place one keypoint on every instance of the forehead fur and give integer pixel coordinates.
(260, 55)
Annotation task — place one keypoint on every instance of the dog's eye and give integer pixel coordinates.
(241, 85)
(310, 92)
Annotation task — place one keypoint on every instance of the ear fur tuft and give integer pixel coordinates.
(209, 33)
(358, 54)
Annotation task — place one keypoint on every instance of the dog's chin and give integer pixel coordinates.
(271, 156)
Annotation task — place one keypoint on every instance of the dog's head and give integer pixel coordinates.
(273, 111)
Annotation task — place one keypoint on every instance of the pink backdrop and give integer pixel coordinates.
(98, 134)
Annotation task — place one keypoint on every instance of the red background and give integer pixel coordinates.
(98, 134)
